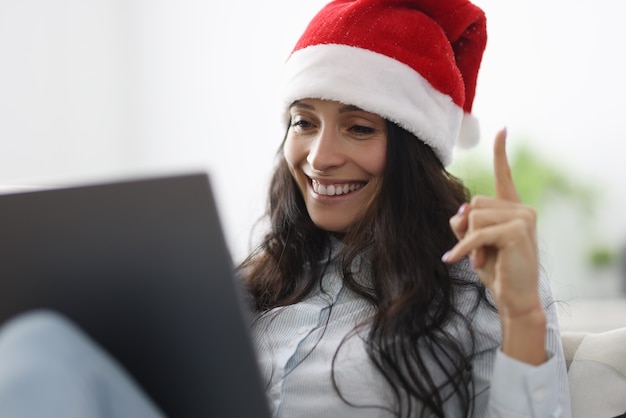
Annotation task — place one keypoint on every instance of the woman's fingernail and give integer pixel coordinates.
(462, 209)
(472, 265)
(445, 257)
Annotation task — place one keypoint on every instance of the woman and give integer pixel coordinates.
(379, 290)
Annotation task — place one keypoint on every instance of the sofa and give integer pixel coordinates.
(596, 368)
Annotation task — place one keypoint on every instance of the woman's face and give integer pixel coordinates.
(336, 153)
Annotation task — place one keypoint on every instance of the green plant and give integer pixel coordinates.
(601, 256)
(537, 179)
(539, 182)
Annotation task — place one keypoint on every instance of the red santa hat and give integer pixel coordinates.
(413, 62)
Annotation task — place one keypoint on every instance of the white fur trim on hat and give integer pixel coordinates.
(378, 84)
(470, 132)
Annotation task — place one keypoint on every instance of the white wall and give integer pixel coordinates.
(102, 89)
(94, 90)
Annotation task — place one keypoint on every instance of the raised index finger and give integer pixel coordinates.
(505, 187)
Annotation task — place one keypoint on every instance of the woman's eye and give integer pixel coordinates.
(301, 124)
(362, 130)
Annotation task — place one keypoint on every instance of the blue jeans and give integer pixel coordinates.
(50, 368)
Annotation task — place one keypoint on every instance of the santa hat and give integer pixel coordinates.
(413, 62)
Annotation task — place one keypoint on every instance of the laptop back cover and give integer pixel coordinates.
(142, 266)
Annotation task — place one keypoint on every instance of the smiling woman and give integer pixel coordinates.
(380, 288)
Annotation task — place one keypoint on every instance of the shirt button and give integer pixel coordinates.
(275, 390)
(538, 395)
(302, 330)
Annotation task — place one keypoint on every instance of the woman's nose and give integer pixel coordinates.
(326, 151)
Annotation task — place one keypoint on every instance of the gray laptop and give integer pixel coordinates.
(142, 266)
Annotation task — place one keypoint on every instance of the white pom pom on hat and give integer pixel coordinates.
(413, 62)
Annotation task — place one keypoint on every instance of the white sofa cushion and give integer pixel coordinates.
(597, 373)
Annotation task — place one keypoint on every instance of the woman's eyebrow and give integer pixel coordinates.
(344, 109)
(298, 103)
(350, 108)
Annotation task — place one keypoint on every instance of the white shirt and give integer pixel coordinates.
(296, 345)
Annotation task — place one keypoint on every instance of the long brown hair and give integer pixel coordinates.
(404, 234)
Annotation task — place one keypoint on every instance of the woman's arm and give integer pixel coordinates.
(499, 235)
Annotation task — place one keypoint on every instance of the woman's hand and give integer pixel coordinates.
(499, 236)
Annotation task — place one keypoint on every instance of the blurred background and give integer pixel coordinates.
(100, 90)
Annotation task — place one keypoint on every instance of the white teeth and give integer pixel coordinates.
(334, 189)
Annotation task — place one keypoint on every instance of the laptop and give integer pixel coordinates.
(142, 267)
